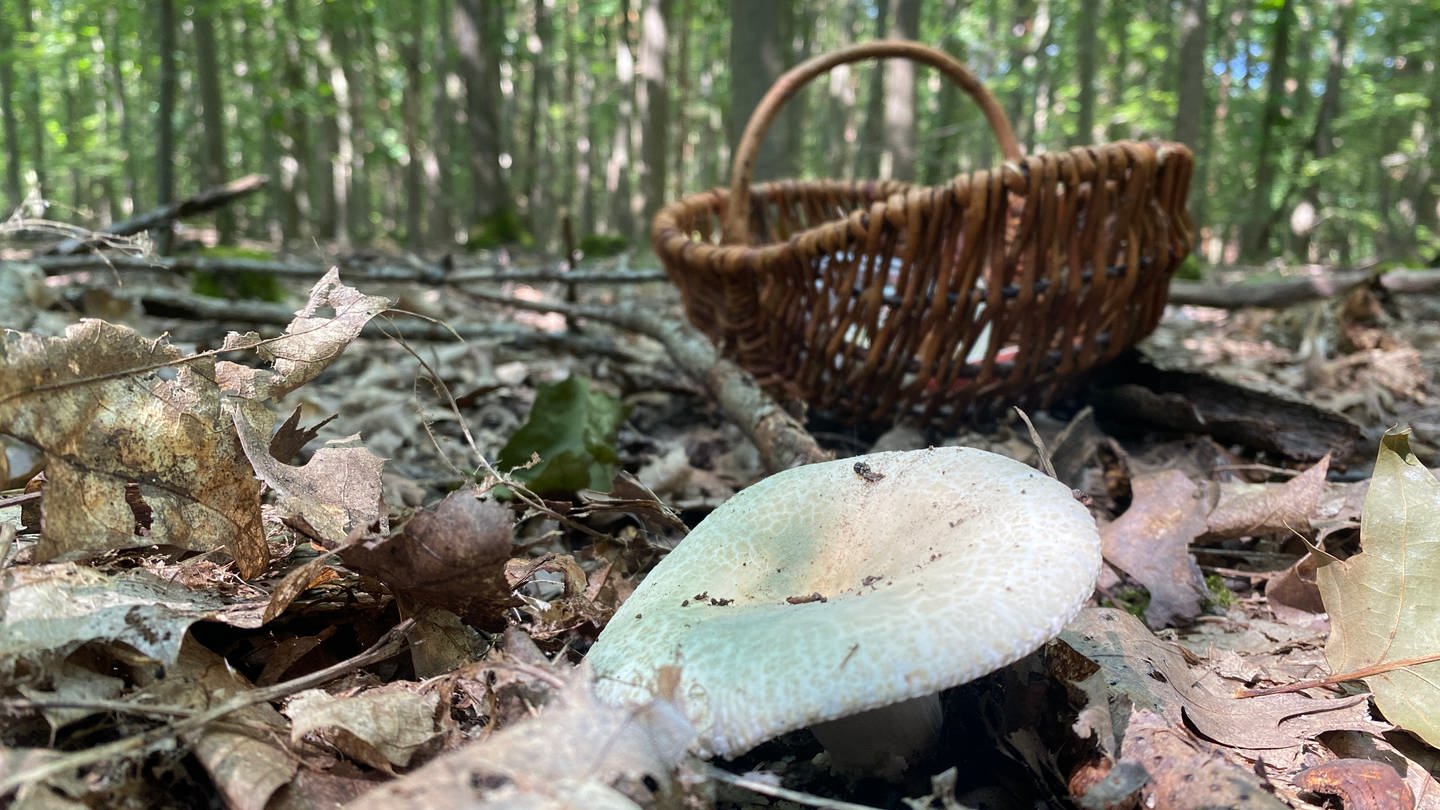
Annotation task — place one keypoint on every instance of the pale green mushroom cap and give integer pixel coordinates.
(936, 567)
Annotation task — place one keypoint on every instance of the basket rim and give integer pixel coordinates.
(671, 242)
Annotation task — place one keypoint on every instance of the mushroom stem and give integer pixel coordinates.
(882, 742)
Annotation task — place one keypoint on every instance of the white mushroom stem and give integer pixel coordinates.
(882, 742)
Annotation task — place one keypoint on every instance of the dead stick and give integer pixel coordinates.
(781, 439)
(1332, 680)
(388, 645)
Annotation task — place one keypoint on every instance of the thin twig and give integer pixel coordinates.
(388, 645)
(1333, 680)
(777, 792)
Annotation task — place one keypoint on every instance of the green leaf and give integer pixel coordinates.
(1384, 602)
(572, 429)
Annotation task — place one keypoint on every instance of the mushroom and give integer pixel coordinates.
(844, 596)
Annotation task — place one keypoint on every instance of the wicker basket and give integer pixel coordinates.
(879, 300)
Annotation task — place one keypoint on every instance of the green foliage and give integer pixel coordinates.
(572, 428)
(602, 245)
(500, 228)
(245, 285)
(1219, 594)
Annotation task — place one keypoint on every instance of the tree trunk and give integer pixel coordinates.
(207, 74)
(1087, 45)
(410, 39)
(33, 121)
(538, 168)
(681, 152)
(898, 160)
(165, 119)
(654, 99)
(1322, 141)
(14, 193)
(872, 128)
(1255, 233)
(757, 49)
(620, 213)
(478, 28)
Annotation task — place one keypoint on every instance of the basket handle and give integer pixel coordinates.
(735, 230)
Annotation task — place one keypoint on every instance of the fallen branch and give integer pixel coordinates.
(1290, 291)
(389, 644)
(389, 270)
(781, 439)
(209, 199)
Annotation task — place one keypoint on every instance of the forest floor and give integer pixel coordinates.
(269, 675)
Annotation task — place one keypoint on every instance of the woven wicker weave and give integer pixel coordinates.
(881, 300)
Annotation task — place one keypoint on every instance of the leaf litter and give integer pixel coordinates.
(200, 598)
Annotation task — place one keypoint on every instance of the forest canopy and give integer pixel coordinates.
(436, 123)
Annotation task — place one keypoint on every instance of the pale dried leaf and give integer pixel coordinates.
(1248, 510)
(575, 753)
(1384, 602)
(241, 752)
(47, 611)
(380, 727)
(335, 493)
(98, 405)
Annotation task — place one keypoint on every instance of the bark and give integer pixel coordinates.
(681, 151)
(162, 217)
(617, 166)
(212, 112)
(14, 194)
(1190, 96)
(1087, 46)
(445, 132)
(478, 29)
(410, 40)
(1255, 234)
(654, 102)
(33, 122)
(165, 119)
(872, 132)
(1322, 139)
(537, 166)
(757, 48)
(898, 160)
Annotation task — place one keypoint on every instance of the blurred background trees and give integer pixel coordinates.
(431, 123)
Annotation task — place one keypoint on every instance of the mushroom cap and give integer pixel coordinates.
(932, 568)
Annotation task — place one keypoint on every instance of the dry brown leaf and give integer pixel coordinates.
(1154, 674)
(1150, 542)
(335, 494)
(1360, 783)
(451, 556)
(1248, 510)
(47, 611)
(382, 727)
(310, 344)
(242, 752)
(575, 753)
(108, 407)
(1185, 774)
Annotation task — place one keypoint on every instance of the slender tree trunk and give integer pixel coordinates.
(757, 49)
(165, 119)
(478, 28)
(207, 73)
(621, 215)
(33, 121)
(682, 152)
(539, 138)
(410, 40)
(14, 193)
(1322, 139)
(1087, 46)
(654, 101)
(442, 169)
(898, 159)
(872, 127)
(1255, 235)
